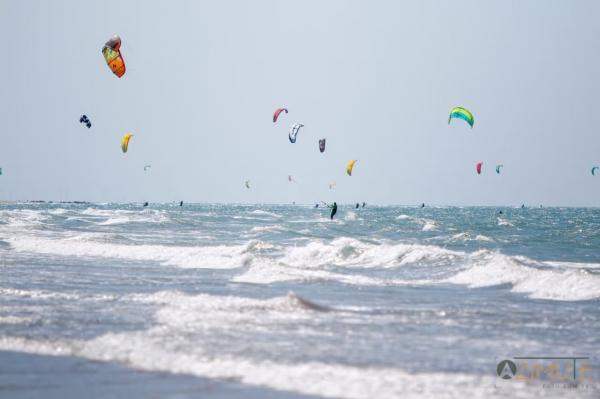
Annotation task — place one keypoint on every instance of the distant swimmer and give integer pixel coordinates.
(146, 203)
(500, 213)
(523, 206)
(333, 210)
(423, 205)
(364, 204)
(316, 205)
(180, 203)
(357, 205)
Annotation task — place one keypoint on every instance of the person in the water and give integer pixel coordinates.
(364, 204)
(180, 203)
(423, 205)
(357, 205)
(146, 203)
(333, 210)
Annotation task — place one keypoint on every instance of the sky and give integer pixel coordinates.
(376, 78)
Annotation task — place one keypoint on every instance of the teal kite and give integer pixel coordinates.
(594, 169)
(498, 168)
(461, 113)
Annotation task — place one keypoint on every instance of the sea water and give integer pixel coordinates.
(281, 301)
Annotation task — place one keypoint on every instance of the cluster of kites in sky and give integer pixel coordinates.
(115, 61)
(293, 135)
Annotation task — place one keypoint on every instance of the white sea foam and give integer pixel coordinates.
(219, 257)
(266, 213)
(260, 229)
(166, 347)
(504, 222)
(350, 216)
(491, 268)
(146, 351)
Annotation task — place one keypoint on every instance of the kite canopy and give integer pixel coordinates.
(125, 141)
(247, 183)
(461, 113)
(594, 169)
(294, 132)
(86, 120)
(146, 167)
(350, 166)
(112, 54)
(331, 185)
(322, 145)
(498, 167)
(290, 179)
(478, 167)
(277, 112)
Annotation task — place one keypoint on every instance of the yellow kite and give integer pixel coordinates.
(125, 141)
(350, 166)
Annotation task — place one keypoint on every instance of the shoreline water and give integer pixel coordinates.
(380, 302)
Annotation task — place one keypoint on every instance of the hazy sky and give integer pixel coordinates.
(376, 78)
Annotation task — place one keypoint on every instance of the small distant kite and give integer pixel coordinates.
(498, 167)
(322, 145)
(594, 169)
(277, 112)
(112, 54)
(350, 167)
(125, 141)
(290, 178)
(461, 113)
(84, 119)
(146, 167)
(478, 167)
(331, 185)
(247, 183)
(294, 132)
(0, 171)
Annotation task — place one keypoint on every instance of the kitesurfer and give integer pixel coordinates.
(146, 203)
(423, 205)
(357, 205)
(364, 204)
(180, 203)
(333, 210)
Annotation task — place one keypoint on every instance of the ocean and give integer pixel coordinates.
(279, 301)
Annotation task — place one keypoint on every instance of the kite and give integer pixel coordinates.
(247, 183)
(125, 141)
(84, 119)
(461, 113)
(277, 112)
(294, 132)
(146, 167)
(112, 54)
(322, 145)
(331, 185)
(498, 167)
(594, 169)
(478, 167)
(350, 166)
